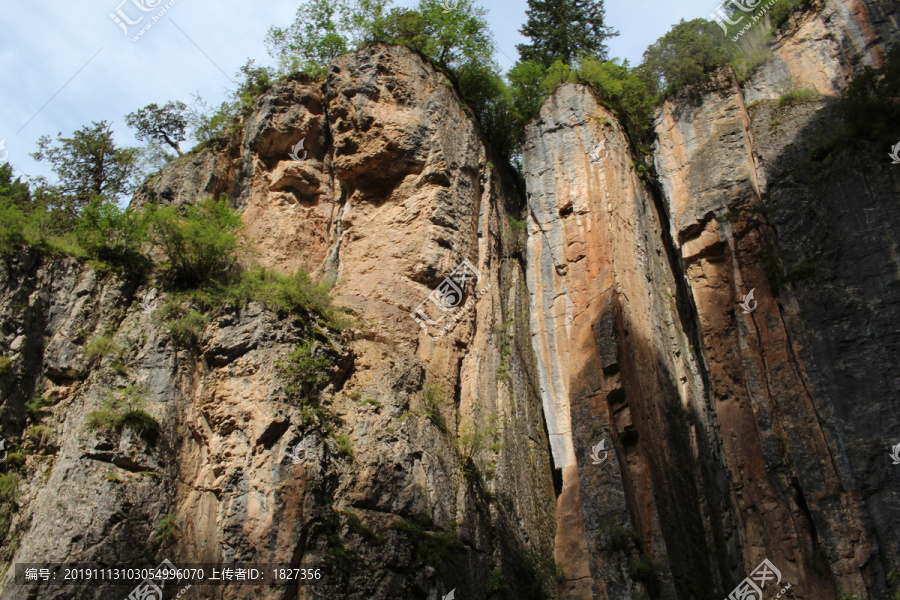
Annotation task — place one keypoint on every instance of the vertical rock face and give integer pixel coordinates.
(436, 475)
(733, 431)
(824, 48)
(611, 351)
(596, 418)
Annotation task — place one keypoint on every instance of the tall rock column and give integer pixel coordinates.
(792, 503)
(614, 362)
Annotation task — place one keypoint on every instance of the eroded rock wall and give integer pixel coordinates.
(436, 474)
(822, 47)
(733, 431)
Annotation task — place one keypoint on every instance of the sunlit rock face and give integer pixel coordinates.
(433, 470)
(603, 413)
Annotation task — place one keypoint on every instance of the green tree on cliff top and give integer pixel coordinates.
(564, 30)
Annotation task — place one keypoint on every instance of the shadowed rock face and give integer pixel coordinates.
(600, 402)
(734, 439)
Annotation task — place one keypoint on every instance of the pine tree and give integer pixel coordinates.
(565, 30)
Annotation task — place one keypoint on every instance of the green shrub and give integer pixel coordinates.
(306, 371)
(431, 543)
(9, 498)
(285, 294)
(200, 242)
(495, 585)
(433, 396)
(532, 577)
(646, 570)
(39, 434)
(622, 538)
(187, 329)
(794, 97)
(12, 228)
(100, 347)
(110, 234)
(528, 93)
(124, 409)
(165, 532)
(685, 55)
(15, 460)
(516, 224)
(345, 445)
(502, 327)
(5, 363)
(752, 50)
(342, 558)
(782, 10)
(361, 529)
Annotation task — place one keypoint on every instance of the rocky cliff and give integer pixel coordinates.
(596, 419)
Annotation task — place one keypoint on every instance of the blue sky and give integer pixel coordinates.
(64, 65)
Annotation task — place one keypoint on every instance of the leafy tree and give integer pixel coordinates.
(564, 30)
(200, 241)
(255, 81)
(626, 91)
(164, 124)
(685, 55)
(89, 166)
(12, 226)
(14, 191)
(526, 79)
(323, 30)
(212, 125)
(453, 39)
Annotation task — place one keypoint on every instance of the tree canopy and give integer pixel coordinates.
(89, 166)
(164, 125)
(323, 30)
(685, 54)
(565, 30)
